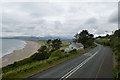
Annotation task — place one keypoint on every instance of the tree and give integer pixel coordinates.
(42, 49)
(56, 44)
(41, 54)
(117, 33)
(49, 42)
(107, 35)
(85, 38)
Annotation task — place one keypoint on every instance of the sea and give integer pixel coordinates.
(7, 46)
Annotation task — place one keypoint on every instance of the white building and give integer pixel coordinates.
(73, 45)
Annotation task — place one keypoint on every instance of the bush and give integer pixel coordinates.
(73, 51)
(39, 56)
(89, 43)
(66, 55)
(56, 53)
(49, 61)
(62, 50)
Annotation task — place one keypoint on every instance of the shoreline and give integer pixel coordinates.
(11, 51)
(30, 48)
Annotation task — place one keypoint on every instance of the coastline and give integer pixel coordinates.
(30, 48)
(18, 48)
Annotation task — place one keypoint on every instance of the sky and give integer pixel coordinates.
(58, 18)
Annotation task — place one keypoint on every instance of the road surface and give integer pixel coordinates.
(96, 63)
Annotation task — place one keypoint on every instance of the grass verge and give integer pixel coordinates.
(38, 66)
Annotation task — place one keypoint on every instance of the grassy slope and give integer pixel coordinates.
(38, 66)
(103, 41)
(115, 44)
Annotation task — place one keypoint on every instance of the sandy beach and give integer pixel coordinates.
(17, 55)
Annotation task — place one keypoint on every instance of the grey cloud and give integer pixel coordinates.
(119, 14)
(114, 17)
(43, 19)
(8, 19)
(31, 27)
(8, 31)
(91, 21)
(58, 24)
(41, 9)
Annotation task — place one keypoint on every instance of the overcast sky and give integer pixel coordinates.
(51, 18)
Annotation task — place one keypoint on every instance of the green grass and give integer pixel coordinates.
(116, 55)
(39, 66)
(103, 41)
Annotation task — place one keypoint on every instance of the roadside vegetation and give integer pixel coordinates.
(115, 45)
(48, 55)
(113, 41)
(103, 40)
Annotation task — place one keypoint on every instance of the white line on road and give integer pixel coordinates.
(77, 67)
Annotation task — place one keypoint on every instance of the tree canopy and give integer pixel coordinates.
(85, 38)
(55, 44)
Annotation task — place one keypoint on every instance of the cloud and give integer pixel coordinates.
(60, 0)
(57, 19)
(119, 14)
(114, 17)
(41, 9)
(91, 21)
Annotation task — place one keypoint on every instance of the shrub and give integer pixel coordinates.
(62, 50)
(39, 56)
(56, 53)
(49, 61)
(73, 51)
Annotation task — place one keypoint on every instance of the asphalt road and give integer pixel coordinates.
(97, 63)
